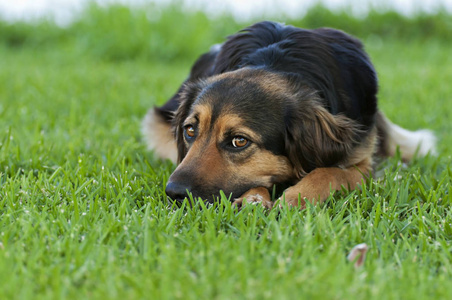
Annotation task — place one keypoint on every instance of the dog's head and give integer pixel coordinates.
(249, 128)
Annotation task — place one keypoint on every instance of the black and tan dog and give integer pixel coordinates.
(280, 106)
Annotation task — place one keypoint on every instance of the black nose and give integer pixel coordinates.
(176, 191)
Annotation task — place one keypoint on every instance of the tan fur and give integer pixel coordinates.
(233, 122)
(258, 195)
(270, 82)
(206, 159)
(334, 125)
(267, 167)
(158, 136)
(217, 168)
(365, 151)
(316, 186)
(203, 113)
(273, 84)
(262, 164)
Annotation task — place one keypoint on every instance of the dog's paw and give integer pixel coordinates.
(293, 198)
(255, 196)
(255, 200)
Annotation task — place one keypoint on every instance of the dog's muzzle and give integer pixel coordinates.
(177, 191)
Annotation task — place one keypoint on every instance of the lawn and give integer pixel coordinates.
(82, 203)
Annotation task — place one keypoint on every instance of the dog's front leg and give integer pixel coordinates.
(259, 195)
(316, 186)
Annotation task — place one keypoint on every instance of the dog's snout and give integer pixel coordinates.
(176, 191)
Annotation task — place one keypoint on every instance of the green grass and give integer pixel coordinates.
(82, 201)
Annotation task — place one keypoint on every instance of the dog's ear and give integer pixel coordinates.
(315, 138)
(187, 96)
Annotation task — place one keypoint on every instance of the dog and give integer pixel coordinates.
(277, 108)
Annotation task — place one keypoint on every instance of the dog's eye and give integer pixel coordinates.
(189, 131)
(239, 142)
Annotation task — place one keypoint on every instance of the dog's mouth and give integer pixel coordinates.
(178, 196)
(192, 199)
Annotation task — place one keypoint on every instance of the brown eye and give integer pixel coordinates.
(189, 131)
(239, 142)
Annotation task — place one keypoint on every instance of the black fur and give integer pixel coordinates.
(330, 61)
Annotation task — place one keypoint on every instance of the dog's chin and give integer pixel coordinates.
(191, 201)
(218, 195)
(210, 198)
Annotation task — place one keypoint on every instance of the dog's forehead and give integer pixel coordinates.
(253, 95)
(242, 103)
(224, 121)
(245, 84)
(223, 126)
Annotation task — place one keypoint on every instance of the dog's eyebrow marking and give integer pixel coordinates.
(201, 115)
(191, 120)
(232, 124)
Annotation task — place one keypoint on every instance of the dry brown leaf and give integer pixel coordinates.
(358, 254)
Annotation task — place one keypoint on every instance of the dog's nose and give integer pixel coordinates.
(176, 191)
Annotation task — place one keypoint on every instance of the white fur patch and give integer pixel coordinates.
(410, 143)
(216, 48)
(158, 136)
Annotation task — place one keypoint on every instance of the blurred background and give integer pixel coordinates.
(64, 11)
(83, 70)
(171, 29)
